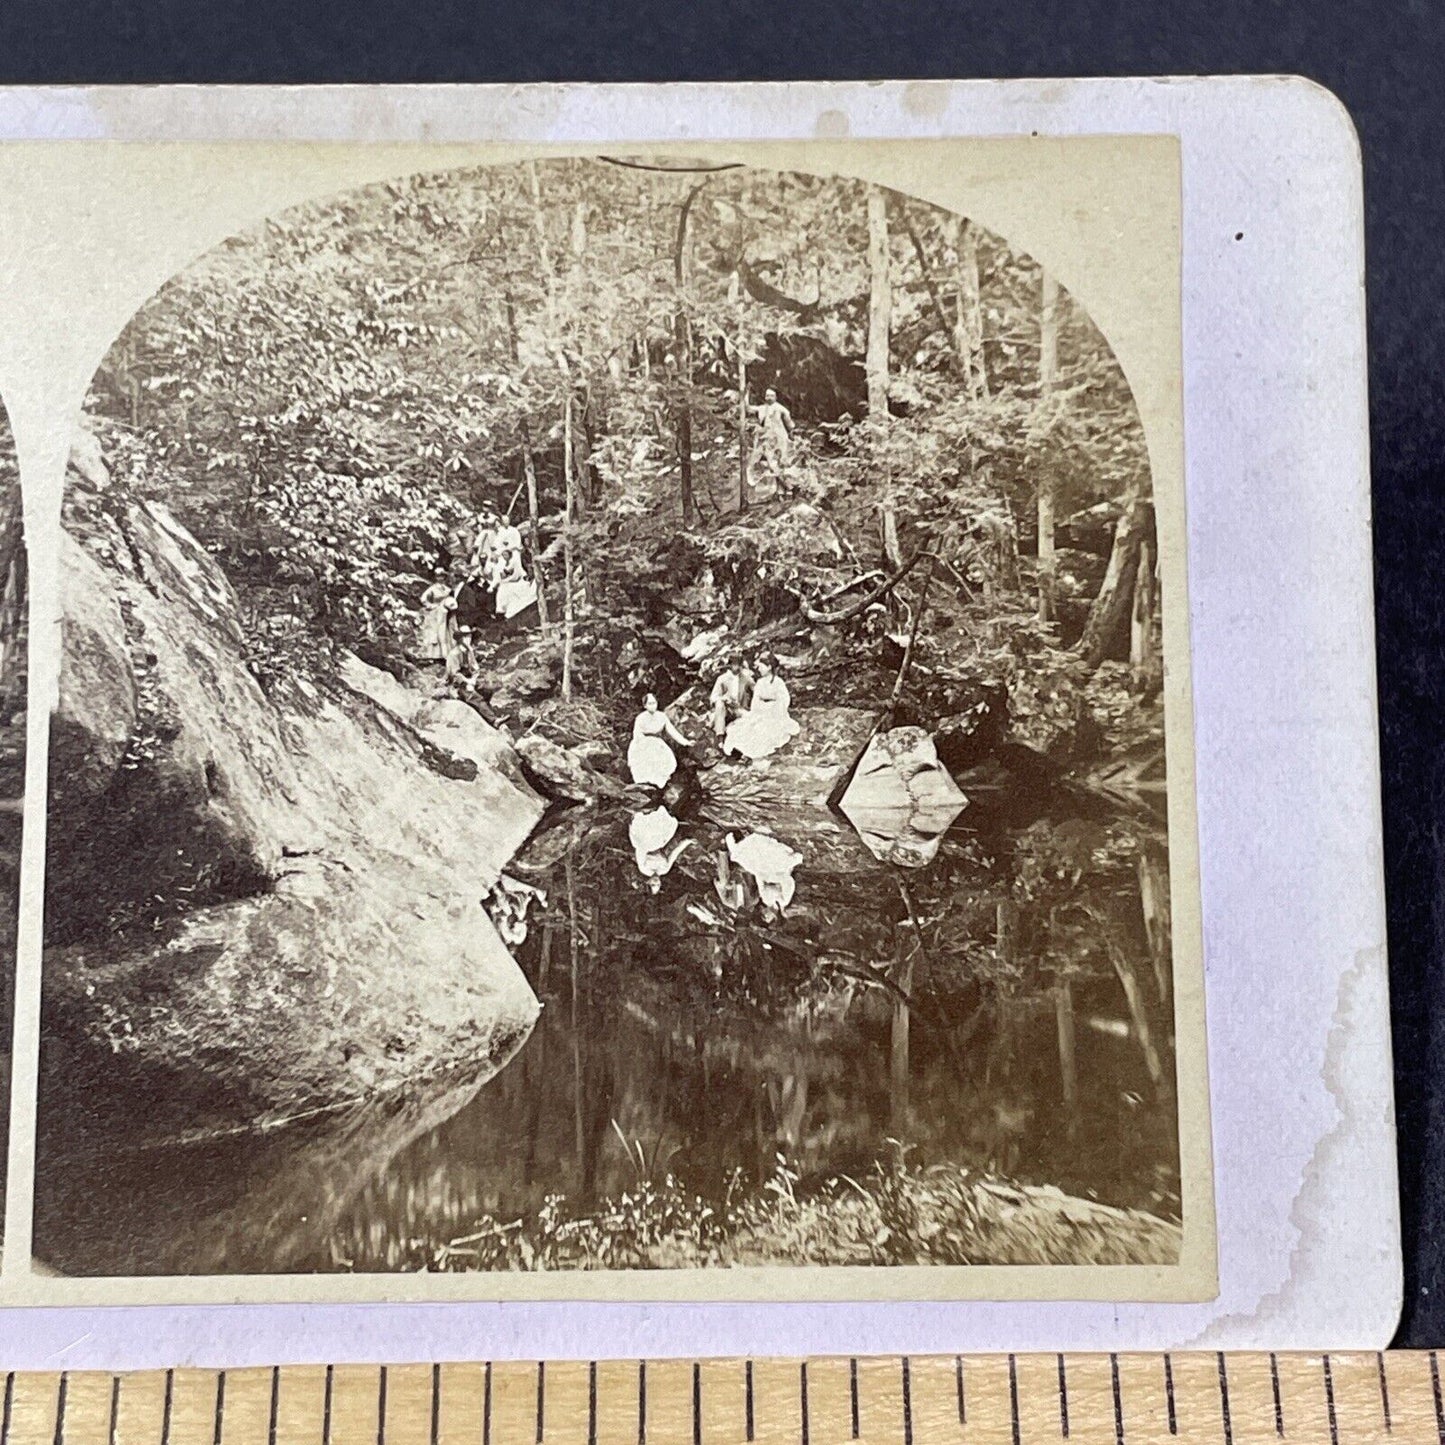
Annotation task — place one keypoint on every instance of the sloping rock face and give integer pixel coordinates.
(261, 903)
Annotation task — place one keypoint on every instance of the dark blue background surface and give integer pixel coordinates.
(1386, 61)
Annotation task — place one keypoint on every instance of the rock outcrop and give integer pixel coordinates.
(261, 902)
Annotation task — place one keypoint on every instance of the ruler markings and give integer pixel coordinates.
(1118, 1401)
(1013, 1397)
(60, 1407)
(1435, 1392)
(1346, 1399)
(1224, 1399)
(9, 1408)
(1274, 1386)
(1330, 1400)
(221, 1410)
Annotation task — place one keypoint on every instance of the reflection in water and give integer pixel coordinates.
(714, 998)
(650, 833)
(770, 865)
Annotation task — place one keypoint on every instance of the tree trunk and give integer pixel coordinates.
(568, 601)
(968, 304)
(742, 429)
(529, 470)
(880, 319)
(682, 341)
(951, 334)
(899, 1051)
(1109, 614)
(1048, 380)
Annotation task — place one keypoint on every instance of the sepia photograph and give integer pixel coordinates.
(611, 718)
(14, 629)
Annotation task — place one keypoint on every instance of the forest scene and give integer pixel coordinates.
(611, 716)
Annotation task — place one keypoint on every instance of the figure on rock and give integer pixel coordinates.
(767, 725)
(731, 693)
(438, 619)
(649, 758)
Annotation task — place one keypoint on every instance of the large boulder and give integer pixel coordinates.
(261, 902)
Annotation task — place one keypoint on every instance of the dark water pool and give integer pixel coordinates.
(1003, 1001)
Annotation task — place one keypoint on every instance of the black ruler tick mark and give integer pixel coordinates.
(436, 1404)
(1169, 1394)
(1224, 1398)
(748, 1393)
(60, 1408)
(487, 1404)
(1435, 1390)
(907, 1402)
(275, 1404)
(803, 1398)
(541, 1397)
(221, 1409)
(852, 1397)
(1384, 1391)
(1013, 1397)
(1118, 1400)
(696, 1403)
(114, 1408)
(642, 1402)
(592, 1403)
(166, 1410)
(381, 1408)
(1063, 1400)
(1330, 1403)
(326, 1405)
(1278, 1402)
(958, 1380)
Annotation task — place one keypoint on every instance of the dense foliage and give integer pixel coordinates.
(327, 399)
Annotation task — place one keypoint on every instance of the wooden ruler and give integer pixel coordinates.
(1227, 1399)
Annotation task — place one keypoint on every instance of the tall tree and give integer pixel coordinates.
(682, 342)
(968, 304)
(1048, 380)
(880, 316)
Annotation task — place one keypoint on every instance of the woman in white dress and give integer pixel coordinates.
(438, 620)
(766, 725)
(649, 758)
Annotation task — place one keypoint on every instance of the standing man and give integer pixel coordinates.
(776, 423)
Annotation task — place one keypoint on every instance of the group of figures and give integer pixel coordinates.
(492, 584)
(748, 710)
